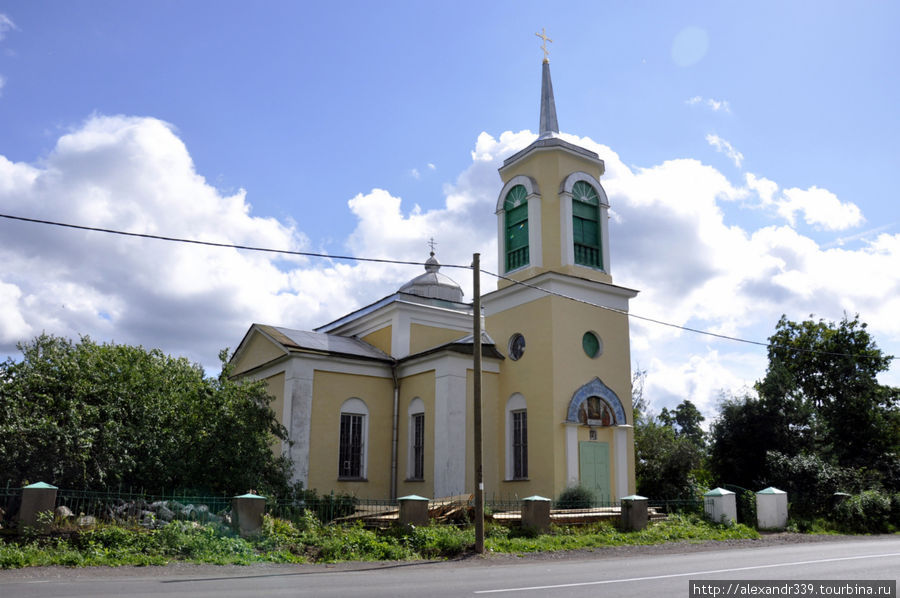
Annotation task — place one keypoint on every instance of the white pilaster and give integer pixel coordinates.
(621, 443)
(567, 249)
(298, 393)
(450, 428)
(571, 454)
(535, 246)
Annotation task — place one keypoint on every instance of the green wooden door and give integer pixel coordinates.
(593, 460)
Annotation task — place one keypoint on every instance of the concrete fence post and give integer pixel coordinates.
(720, 505)
(536, 513)
(247, 512)
(413, 510)
(36, 498)
(771, 509)
(634, 515)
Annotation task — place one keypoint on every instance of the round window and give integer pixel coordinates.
(592, 344)
(516, 346)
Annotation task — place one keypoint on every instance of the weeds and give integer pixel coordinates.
(308, 540)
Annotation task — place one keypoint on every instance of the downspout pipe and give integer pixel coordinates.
(395, 431)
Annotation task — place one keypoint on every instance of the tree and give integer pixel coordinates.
(667, 464)
(685, 420)
(103, 416)
(825, 375)
(819, 399)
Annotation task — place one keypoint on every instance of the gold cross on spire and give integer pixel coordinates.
(543, 36)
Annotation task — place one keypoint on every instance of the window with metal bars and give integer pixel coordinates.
(586, 225)
(418, 447)
(351, 446)
(520, 444)
(516, 207)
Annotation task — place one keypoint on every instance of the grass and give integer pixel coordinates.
(307, 540)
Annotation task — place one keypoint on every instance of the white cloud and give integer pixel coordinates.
(414, 173)
(723, 147)
(669, 235)
(6, 24)
(714, 105)
(431, 166)
(821, 208)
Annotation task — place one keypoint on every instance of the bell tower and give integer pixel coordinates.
(552, 212)
(564, 387)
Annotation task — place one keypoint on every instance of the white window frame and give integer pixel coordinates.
(535, 249)
(516, 403)
(355, 406)
(567, 234)
(416, 409)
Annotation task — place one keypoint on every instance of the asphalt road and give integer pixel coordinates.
(607, 574)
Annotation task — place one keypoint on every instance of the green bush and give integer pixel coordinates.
(434, 541)
(866, 512)
(576, 497)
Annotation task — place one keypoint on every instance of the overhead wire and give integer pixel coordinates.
(418, 263)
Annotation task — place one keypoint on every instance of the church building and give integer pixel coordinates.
(379, 403)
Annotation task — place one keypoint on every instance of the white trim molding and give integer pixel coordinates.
(565, 207)
(356, 406)
(620, 437)
(516, 402)
(535, 252)
(416, 407)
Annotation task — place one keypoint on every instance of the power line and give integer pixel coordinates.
(215, 244)
(671, 325)
(415, 263)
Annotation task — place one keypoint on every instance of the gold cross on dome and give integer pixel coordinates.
(432, 243)
(543, 36)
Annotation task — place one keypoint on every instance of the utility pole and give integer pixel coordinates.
(476, 356)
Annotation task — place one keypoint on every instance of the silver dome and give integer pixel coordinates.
(433, 284)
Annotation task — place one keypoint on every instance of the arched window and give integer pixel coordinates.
(416, 452)
(586, 225)
(516, 208)
(354, 434)
(516, 438)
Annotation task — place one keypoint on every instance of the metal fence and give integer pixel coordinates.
(81, 508)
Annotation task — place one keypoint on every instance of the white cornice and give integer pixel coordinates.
(599, 293)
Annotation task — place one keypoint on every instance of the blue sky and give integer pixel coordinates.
(750, 150)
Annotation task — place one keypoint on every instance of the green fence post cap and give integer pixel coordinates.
(718, 492)
(42, 485)
(413, 497)
(771, 490)
(250, 496)
(537, 498)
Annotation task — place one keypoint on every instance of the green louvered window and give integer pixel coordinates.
(586, 225)
(516, 208)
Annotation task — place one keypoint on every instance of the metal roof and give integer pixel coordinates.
(319, 342)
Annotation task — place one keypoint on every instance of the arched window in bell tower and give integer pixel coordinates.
(586, 225)
(516, 207)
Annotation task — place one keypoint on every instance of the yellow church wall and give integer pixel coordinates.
(330, 392)
(573, 369)
(490, 472)
(381, 339)
(553, 367)
(258, 351)
(411, 387)
(532, 377)
(423, 337)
